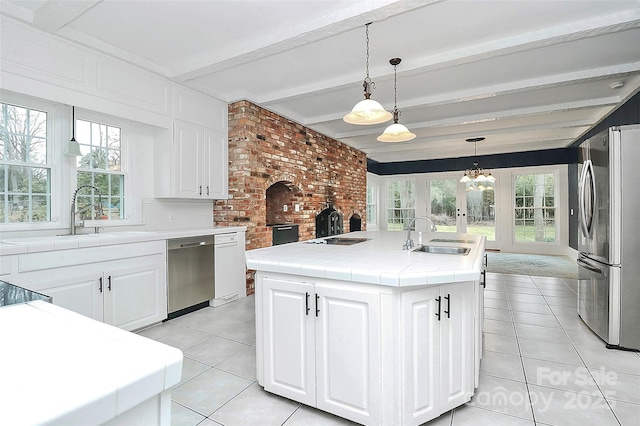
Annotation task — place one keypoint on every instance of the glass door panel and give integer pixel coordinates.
(444, 204)
(481, 218)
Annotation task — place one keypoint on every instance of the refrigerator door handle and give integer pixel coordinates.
(587, 170)
(589, 266)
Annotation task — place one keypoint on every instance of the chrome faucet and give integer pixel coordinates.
(408, 244)
(73, 225)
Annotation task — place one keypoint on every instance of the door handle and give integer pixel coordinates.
(438, 301)
(200, 190)
(483, 282)
(589, 266)
(317, 309)
(448, 297)
(306, 303)
(207, 189)
(109, 282)
(100, 284)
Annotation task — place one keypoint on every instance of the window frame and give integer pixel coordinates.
(556, 208)
(388, 200)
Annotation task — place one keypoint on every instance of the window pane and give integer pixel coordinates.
(539, 208)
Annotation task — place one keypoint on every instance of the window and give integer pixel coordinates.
(25, 172)
(99, 171)
(535, 209)
(401, 204)
(372, 204)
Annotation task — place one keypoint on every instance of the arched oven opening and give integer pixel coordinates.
(329, 222)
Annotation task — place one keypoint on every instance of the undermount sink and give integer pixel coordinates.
(448, 240)
(442, 250)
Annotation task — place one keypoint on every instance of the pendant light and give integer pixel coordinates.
(367, 111)
(476, 174)
(73, 147)
(396, 132)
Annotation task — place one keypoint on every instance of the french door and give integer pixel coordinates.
(462, 207)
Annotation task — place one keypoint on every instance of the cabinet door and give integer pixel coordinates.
(456, 344)
(187, 160)
(420, 355)
(288, 327)
(479, 319)
(80, 293)
(348, 353)
(215, 169)
(135, 296)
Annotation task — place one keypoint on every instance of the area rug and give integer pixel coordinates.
(532, 264)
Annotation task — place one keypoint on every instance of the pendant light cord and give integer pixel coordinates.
(367, 79)
(73, 122)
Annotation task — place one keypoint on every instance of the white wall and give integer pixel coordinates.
(504, 206)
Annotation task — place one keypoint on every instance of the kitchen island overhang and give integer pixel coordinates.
(370, 332)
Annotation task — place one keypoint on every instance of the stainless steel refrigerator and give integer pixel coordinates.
(609, 236)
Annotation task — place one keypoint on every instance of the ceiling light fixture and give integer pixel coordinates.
(476, 175)
(396, 132)
(73, 147)
(367, 111)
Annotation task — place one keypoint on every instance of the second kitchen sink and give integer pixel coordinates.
(442, 250)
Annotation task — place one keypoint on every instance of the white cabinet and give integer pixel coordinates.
(199, 168)
(321, 347)
(479, 320)
(438, 339)
(127, 289)
(192, 162)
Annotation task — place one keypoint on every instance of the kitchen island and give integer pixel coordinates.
(358, 327)
(62, 368)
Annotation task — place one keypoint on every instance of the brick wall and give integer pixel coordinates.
(313, 170)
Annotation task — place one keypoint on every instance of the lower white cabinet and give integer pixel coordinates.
(129, 293)
(437, 342)
(372, 354)
(321, 347)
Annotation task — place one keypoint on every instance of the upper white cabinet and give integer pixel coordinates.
(194, 162)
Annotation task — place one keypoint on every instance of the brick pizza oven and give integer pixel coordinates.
(298, 166)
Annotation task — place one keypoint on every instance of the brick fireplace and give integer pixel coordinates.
(299, 167)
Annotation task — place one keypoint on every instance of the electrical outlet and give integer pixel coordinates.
(297, 207)
(172, 218)
(284, 208)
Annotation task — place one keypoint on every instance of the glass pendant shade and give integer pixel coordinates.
(73, 148)
(465, 179)
(396, 133)
(367, 112)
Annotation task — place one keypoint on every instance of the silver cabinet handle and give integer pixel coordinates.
(589, 267)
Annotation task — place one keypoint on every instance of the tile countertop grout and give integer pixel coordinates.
(380, 261)
(12, 246)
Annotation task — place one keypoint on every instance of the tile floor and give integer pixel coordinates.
(541, 366)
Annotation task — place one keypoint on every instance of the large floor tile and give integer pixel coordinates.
(502, 344)
(559, 292)
(585, 337)
(216, 325)
(191, 368)
(214, 350)
(242, 364)
(556, 352)
(558, 376)
(185, 338)
(254, 406)
(239, 313)
(498, 327)
(209, 391)
(193, 317)
(182, 416)
(618, 386)
(564, 311)
(522, 289)
(571, 322)
(563, 408)
(307, 416)
(628, 414)
(534, 308)
(244, 333)
(571, 301)
(160, 330)
(496, 304)
(468, 415)
(497, 314)
(502, 365)
(544, 334)
(499, 295)
(503, 396)
(535, 319)
(526, 298)
(610, 359)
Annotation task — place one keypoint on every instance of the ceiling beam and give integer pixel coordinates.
(55, 14)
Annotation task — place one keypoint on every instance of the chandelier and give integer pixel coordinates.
(478, 177)
(367, 111)
(395, 132)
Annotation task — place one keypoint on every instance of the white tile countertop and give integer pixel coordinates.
(60, 367)
(380, 260)
(64, 242)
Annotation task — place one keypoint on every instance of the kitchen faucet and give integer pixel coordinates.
(73, 225)
(408, 244)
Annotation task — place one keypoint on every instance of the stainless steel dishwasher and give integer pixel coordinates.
(190, 274)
